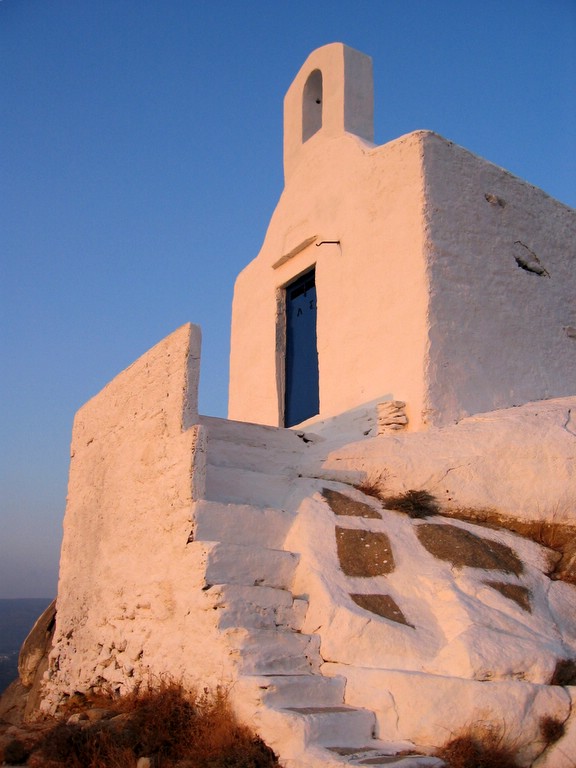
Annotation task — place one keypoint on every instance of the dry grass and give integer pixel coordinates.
(482, 748)
(551, 729)
(166, 723)
(373, 485)
(414, 503)
(15, 753)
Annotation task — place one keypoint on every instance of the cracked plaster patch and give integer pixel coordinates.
(462, 548)
(570, 423)
(528, 261)
(495, 200)
(517, 593)
(364, 553)
(343, 505)
(382, 605)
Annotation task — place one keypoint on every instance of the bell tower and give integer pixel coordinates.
(331, 95)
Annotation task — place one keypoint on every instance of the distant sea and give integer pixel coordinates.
(17, 618)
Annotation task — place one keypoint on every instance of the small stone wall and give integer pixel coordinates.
(127, 578)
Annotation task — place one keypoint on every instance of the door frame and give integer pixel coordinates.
(281, 338)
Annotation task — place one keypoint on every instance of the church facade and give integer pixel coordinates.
(414, 271)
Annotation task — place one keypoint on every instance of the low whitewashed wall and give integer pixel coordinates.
(130, 602)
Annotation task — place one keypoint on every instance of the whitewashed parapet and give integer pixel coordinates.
(127, 575)
(199, 453)
(391, 416)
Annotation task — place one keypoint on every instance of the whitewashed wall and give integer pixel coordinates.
(130, 602)
(371, 287)
(499, 335)
(422, 299)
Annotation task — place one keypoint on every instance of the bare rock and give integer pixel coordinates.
(36, 646)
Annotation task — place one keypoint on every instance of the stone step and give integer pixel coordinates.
(260, 458)
(333, 725)
(274, 652)
(250, 566)
(247, 433)
(281, 691)
(257, 607)
(291, 731)
(425, 718)
(240, 524)
(386, 754)
(243, 486)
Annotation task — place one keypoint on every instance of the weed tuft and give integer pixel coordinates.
(373, 485)
(485, 748)
(551, 729)
(415, 504)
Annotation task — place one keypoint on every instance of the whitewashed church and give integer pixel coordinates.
(409, 323)
(412, 271)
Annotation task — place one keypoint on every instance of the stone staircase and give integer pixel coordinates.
(250, 472)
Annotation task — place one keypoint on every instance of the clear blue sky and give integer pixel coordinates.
(141, 159)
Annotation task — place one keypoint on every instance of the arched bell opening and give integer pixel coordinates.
(312, 105)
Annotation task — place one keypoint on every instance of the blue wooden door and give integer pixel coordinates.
(302, 391)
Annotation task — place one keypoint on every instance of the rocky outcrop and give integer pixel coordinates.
(519, 463)
(21, 700)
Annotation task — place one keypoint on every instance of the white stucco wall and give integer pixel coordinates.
(129, 583)
(343, 100)
(422, 299)
(499, 335)
(371, 288)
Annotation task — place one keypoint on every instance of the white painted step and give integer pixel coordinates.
(430, 711)
(334, 724)
(385, 754)
(250, 566)
(273, 652)
(290, 731)
(240, 524)
(257, 607)
(243, 486)
(280, 691)
(225, 453)
(257, 435)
